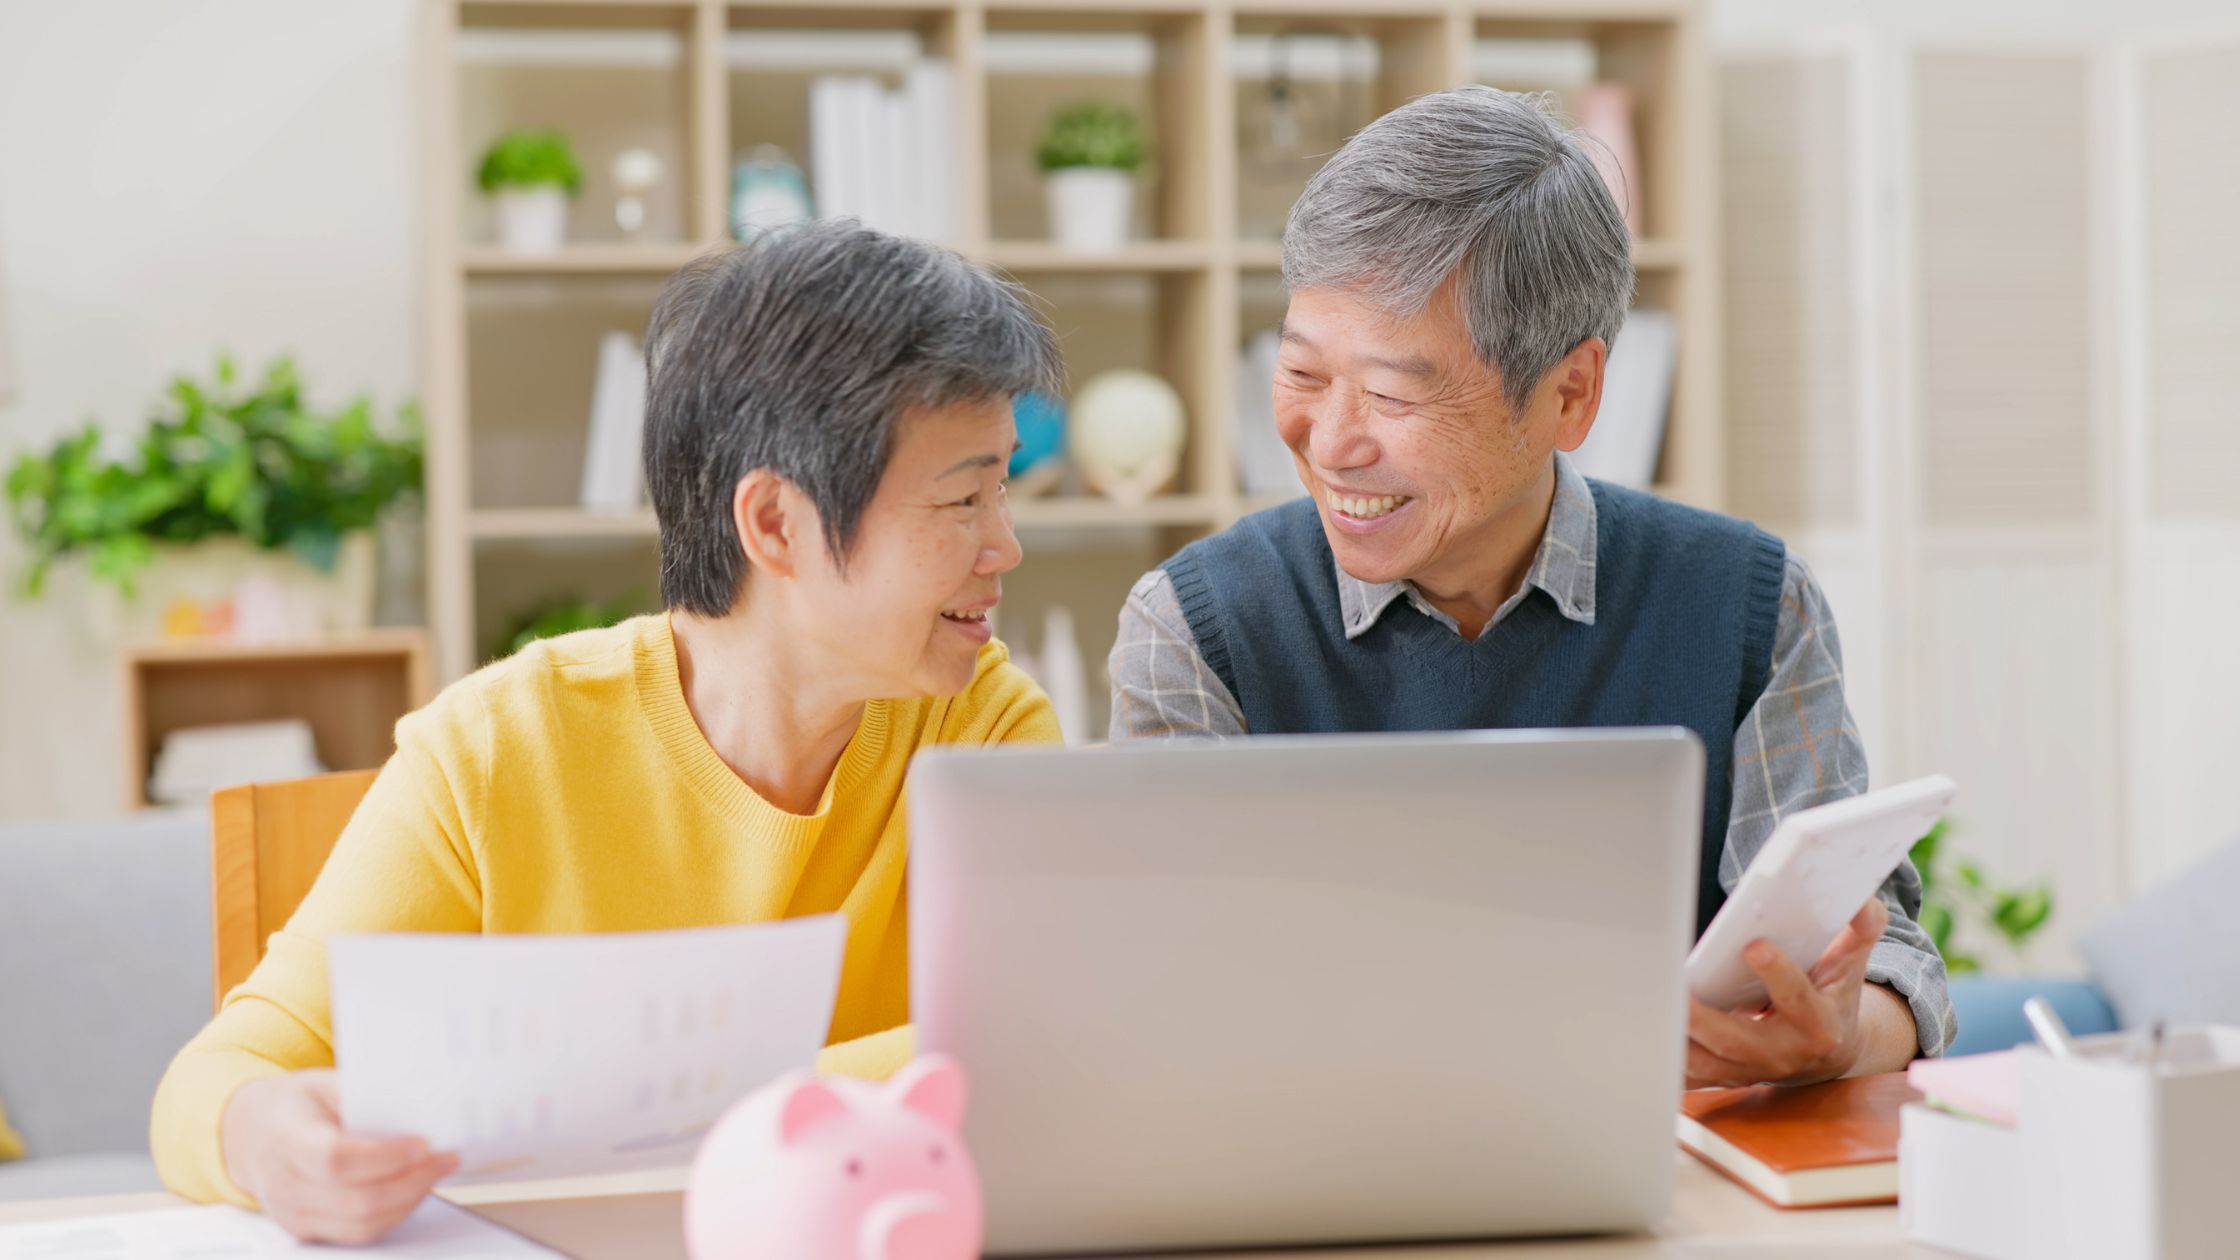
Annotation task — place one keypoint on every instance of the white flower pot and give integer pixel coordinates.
(532, 220)
(313, 604)
(1089, 207)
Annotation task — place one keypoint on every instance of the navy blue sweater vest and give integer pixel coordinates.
(1686, 603)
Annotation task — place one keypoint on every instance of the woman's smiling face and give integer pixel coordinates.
(909, 608)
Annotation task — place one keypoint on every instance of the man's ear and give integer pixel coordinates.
(772, 520)
(1576, 380)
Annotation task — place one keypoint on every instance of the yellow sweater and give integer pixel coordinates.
(568, 789)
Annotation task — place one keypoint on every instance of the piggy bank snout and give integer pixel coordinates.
(916, 1225)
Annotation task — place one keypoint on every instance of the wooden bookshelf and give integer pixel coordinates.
(516, 335)
(351, 689)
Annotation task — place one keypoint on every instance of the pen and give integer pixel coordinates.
(2052, 1033)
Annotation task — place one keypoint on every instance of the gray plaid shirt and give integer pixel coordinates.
(1798, 746)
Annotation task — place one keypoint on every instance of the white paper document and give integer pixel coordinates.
(437, 1231)
(561, 1056)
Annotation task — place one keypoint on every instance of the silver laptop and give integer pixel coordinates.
(1310, 989)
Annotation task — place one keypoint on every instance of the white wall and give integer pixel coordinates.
(176, 177)
(2037, 420)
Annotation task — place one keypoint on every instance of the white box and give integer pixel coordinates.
(2109, 1160)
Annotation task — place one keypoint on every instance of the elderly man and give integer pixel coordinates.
(1456, 274)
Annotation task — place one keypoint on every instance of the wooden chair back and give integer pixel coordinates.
(267, 843)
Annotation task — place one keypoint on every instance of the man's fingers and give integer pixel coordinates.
(1792, 992)
(1729, 1036)
(1707, 1070)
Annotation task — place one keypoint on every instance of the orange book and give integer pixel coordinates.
(1827, 1145)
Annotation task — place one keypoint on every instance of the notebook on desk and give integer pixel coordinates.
(1828, 1145)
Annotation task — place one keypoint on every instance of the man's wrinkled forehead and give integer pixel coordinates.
(1414, 366)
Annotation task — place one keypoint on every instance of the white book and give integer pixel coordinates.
(828, 145)
(1264, 464)
(613, 478)
(863, 148)
(931, 93)
(899, 195)
(1628, 433)
(841, 125)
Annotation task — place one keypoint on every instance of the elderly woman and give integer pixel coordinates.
(828, 425)
(1456, 274)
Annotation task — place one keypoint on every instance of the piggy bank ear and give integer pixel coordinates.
(806, 1103)
(932, 1086)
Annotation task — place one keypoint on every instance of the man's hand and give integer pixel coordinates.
(1811, 1029)
(283, 1143)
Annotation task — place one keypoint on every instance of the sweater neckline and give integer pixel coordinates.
(661, 699)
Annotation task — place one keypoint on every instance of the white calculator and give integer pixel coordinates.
(1820, 866)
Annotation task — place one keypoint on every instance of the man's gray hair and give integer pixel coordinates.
(1484, 181)
(800, 353)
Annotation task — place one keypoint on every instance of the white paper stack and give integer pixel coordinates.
(883, 156)
(613, 473)
(1628, 432)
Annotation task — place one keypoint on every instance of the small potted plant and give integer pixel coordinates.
(530, 174)
(232, 480)
(1089, 154)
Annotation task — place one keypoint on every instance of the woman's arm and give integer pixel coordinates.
(403, 863)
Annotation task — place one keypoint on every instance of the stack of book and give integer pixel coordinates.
(884, 156)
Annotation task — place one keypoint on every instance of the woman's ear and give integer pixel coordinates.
(771, 520)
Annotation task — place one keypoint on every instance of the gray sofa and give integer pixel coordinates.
(104, 974)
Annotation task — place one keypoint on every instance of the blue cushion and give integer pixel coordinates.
(1990, 1010)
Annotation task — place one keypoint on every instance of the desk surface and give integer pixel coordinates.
(615, 1219)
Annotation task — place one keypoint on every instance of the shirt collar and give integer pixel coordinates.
(1563, 567)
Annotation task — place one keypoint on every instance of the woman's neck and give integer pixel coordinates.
(761, 707)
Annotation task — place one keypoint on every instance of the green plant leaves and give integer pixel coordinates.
(2017, 915)
(1936, 920)
(568, 615)
(1969, 896)
(1092, 133)
(220, 457)
(530, 158)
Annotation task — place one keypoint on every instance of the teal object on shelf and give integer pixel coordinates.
(768, 190)
(1041, 421)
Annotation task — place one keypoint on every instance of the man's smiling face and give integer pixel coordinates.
(1402, 433)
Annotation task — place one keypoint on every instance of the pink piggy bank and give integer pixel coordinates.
(809, 1168)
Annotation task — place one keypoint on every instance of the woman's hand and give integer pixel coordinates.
(284, 1145)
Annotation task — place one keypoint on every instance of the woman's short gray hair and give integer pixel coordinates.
(1481, 180)
(800, 353)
